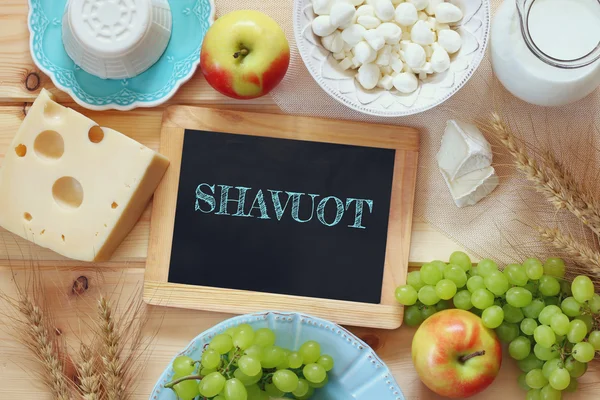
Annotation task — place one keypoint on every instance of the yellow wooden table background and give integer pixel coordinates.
(174, 328)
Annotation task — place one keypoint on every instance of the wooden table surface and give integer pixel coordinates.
(174, 328)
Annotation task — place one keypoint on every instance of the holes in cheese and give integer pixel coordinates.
(42, 232)
(67, 192)
(96, 134)
(114, 205)
(53, 111)
(49, 145)
(21, 150)
(27, 217)
(62, 237)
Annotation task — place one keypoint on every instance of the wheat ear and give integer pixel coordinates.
(40, 341)
(550, 178)
(89, 378)
(581, 253)
(113, 374)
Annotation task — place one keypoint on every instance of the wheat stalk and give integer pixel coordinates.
(113, 374)
(89, 378)
(550, 177)
(580, 253)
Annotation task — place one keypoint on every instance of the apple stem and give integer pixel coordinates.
(242, 52)
(467, 357)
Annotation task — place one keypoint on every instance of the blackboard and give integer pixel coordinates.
(259, 243)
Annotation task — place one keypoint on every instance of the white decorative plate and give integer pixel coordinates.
(341, 85)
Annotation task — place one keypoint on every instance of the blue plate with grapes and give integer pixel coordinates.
(357, 373)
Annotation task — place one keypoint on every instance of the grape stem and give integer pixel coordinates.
(467, 357)
(183, 378)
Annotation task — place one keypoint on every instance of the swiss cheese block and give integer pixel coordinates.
(73, 187)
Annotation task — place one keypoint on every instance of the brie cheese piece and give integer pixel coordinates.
(463, 150)
(472, 187)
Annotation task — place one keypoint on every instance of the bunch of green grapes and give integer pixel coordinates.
(244, 364)
(551, 326)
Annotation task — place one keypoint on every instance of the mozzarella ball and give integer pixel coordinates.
(391, 32)
(353, 34)
(450, 40)
(386, 82)
(366, 10)
(368, 75)
(342, 14)
(406, 14)
(334, 42)
(322, 26)
(440, 60)
(355, 3)
(406, 82)
(448, 13)
(364, 53)
(375, 39)
(419, 4)
(421, 33)
(322, 7)
(369, 22)
(432, 5)
(414, 55)
(384, 9)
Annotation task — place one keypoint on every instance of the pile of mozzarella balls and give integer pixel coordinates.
(392, 43)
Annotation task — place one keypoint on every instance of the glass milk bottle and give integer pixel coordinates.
(547, 52)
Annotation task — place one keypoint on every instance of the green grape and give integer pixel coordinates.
(406, 295)
(272, 390)
(532, 286)
(235, 390)
(559, 379)
(462, 300)
(516, 274)
(231, 331)
(320, 384)
(223, 398)
(492, 317)
(187, 390)
(247, 380)
(428, 296)
(554, 267)
(244, 337)
(183, 366)
(210, 358)
(473, 272)
(528, 325)
(594, 304)
(295, 359)
(549, 393)
(414, 279)
(412, 316)
(255, 351)
(496, 282)
(440, 264)
(577, 331)
(588, 320)
(550, 366)
(302, 388)
(594, 339)
(428, 311)
(552, 300)
(533, 268)
(565, 288)
(522, 383)
(222, 343)
(529, 363)
(431, 274)
(549, 286)
(273, 356)
(326, 362)
(518, 297)
(456, 274)
(212, 384)
(560, 324)
(507, 332)
(314, 373)
(443, 305)
(265, 337)
(512, 314)
(474, 283)
(533, 394)
(583, 352)
(535, 379)
(481, 298)
(253, 391)
(461, 259)
(544, 336)
(576, 369)
(519, 348)
(207, 371)
(572, 388)
(486, 267)
(571, 307)
(547, 313)
(285, 380)
(544, 353)
(583, 288)
(445, 289)
(311, 392)
(533, 309)
(249, 366)
(310, 352)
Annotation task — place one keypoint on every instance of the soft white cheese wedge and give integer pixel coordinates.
(472, 187)
(463, 150)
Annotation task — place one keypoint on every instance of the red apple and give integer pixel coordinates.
(245, 54)
(455, 355)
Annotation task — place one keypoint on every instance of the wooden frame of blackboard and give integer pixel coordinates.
(176, 119)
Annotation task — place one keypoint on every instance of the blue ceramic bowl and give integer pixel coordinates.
(191, 20)
(358, 373)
